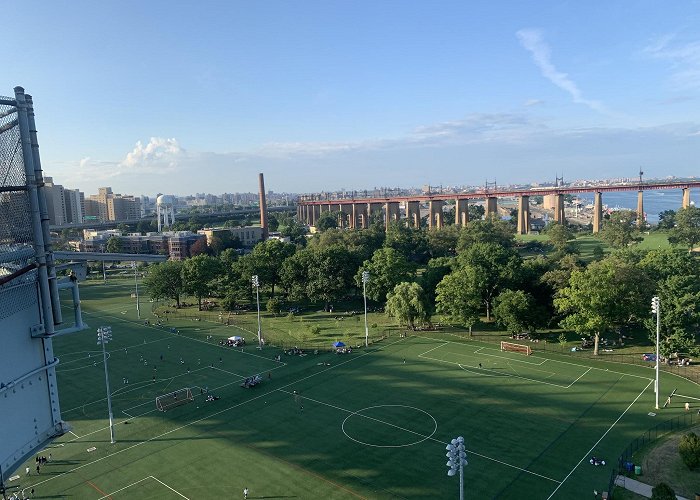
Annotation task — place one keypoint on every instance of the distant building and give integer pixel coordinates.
(75, 205)
(55, 202)
(176, 244)
(249, 236)
(107, 206)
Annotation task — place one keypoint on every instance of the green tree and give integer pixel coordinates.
(198, 273)
(680, 314)
(330, 274)
(410, 242)
(433, 274)
(667, 219)
(406, 303)
(513, 310)
(559, 236)
(266, 261)
(491, 230)
(326, 221)
(273, 306)
(689, 449)
(662, 491)
(442, 242)
(294, 274)
(200, 247)
(687, 229)
(164, 281)
(620, 230)
(114, 244)
(663, 263)
(495, 267)
(476, 212)
(387, 268)
(458, 297)
(607, 294)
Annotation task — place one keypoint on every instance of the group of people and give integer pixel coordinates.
(343, 350)
(251, 381)
(596, 461)
(294, 351)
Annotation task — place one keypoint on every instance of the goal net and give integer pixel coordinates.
(510, 346)
(173, 399)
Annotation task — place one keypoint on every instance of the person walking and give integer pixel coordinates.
(245, 493)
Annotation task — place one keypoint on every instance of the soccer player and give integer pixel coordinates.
(245, 493)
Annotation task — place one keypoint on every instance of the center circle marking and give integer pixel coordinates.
(359, 413)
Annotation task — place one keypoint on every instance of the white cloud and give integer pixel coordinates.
(532, 40)
(533, 102)
(683, 56)
(158, 152)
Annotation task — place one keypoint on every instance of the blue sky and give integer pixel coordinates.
(184, 97)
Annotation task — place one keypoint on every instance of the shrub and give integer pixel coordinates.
(373, 325)
(662, 491)
(562, 338)
(290, 316)
(315, 329)
(274, 306)
(689, 448)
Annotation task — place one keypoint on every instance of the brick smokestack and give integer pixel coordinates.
(263, 206)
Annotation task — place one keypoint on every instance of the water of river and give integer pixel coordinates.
(655, 201)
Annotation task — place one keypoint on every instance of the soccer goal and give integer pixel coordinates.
(173, 399)
(510, 346)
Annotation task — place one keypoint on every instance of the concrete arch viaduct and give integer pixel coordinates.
(354, 212)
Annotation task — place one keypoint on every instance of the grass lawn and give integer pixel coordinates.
(371, 424)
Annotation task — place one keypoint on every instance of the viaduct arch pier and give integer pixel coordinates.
(353, 212)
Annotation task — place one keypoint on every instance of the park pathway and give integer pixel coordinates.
(637, 487)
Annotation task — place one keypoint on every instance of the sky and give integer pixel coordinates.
(184, 97)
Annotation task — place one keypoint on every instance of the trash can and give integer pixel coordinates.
(638, 470)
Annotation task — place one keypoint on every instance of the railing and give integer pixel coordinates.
(625, 466)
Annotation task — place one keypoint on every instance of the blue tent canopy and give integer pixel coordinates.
(338, 344)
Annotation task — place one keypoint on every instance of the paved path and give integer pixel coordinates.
(637, 486)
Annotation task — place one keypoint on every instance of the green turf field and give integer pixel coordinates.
(371, 424)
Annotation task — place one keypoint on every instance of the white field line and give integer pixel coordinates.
(557, 361)
(418, 434)
(688, 397)
(254, 398)
(185, 337)
(171, 489)
(502, 374)
(473, 353)
(579, 377)
(480, 371)
(588, 453)
(109, 495)
(74, 434)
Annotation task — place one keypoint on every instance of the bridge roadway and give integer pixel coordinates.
(354, 212)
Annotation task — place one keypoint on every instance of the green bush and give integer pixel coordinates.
(562, 338)
(689, 448)
(315, 329)
(662, 491)
(290, 316)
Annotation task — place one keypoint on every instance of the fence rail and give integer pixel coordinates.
(625, 465)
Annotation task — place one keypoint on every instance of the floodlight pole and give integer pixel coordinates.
(656, 308)
(365, 279)
(104, 272)
(136, 282)
(104, 335)
(456, 460)
(256, 284)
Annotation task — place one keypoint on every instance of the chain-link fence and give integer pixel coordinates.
(16, 236)
(625, 465)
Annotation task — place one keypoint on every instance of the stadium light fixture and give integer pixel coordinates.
(656, 309)
(456, 460)
(104, 335)
(136, 282)
(256, 284)
(365, 279)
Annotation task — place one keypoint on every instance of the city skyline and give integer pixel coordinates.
(325, 96)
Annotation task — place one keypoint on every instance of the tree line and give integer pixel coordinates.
(464, 274)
